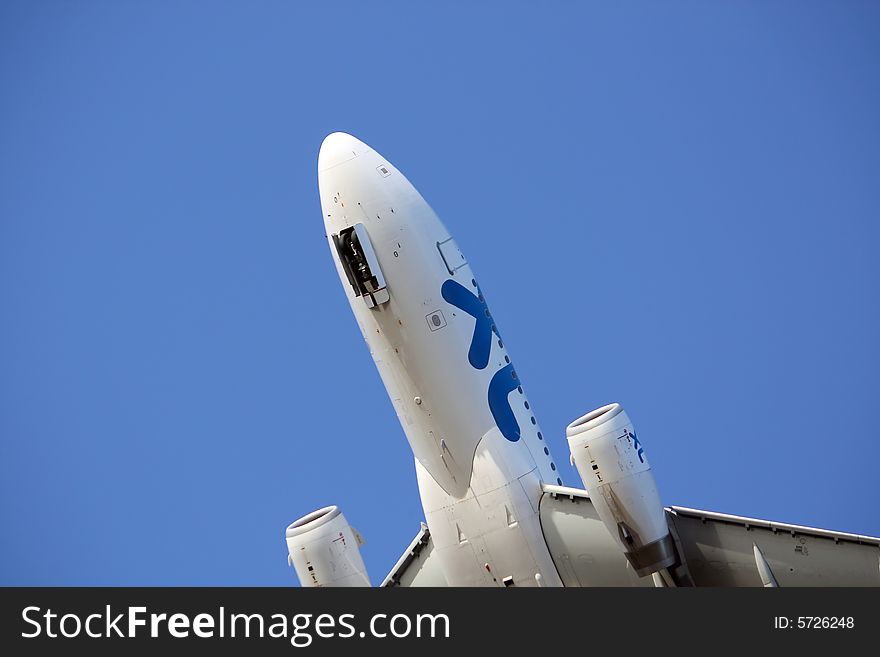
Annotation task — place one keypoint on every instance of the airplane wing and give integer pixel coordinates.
(715, 549)
(416, 567)
(725, 550)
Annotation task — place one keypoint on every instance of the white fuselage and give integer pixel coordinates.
(479, 452)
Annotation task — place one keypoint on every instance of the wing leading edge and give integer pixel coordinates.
(416, 566)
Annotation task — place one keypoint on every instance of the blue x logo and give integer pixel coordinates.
(481, 343)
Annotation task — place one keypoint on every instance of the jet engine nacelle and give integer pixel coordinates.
(324, 550)
(615, 471)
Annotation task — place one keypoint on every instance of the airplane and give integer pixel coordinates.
(496, 510)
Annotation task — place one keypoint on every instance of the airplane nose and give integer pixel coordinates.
(339, 147)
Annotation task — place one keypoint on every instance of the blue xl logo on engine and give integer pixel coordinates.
(636, 443)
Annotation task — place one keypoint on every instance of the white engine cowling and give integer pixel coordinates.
(324, 550)
(616, 474)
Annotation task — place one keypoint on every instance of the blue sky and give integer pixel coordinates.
(671, 207)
